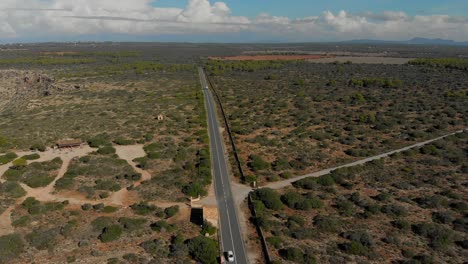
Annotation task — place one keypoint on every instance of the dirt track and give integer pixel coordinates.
(48, 194)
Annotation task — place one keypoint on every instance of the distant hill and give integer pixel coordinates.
(414, 41)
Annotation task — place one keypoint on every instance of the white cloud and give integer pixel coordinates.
(54, 18)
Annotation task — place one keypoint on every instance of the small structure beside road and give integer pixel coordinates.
(69, 143)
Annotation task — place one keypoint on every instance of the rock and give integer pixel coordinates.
(83, 243)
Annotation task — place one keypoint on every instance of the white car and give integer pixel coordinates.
(230, 256)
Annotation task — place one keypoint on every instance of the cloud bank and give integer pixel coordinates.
(54, 19)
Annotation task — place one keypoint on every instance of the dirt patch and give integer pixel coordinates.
(271, 57)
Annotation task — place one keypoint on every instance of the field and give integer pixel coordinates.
(291, 118)
(270, 57)
(408, 208)
(123, 195)
(143, 125)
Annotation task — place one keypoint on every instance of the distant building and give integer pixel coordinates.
(160, 117)
(69, 143)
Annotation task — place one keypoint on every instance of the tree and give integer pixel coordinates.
(203, 249)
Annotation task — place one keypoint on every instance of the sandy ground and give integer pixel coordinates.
(47, 194)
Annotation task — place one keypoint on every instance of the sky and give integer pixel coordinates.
(231, 20)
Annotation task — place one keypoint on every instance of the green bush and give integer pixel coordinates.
(107, 150)
(292, 254)
(161, 226)
(20, 162)
(194, 189)
(143, 208)
(109, 209)
(208, 228)
(13, 174)
(39, 147)
(123, 141)
(171, 211)
(22, 221)
(355, 248)
(132, 224)
(12, 189)
(33, 156)
(4, 159)
(269, 197)
(101, 222)
(11, 246)
(440, 237)
(37, 181)
(156, 247)
(327, 224)
(111, 233)
(257, 163)
(99, 141)
(275, 241)
(203, 249)
(43, 239)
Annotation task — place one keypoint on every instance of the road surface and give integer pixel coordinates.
(231, 236)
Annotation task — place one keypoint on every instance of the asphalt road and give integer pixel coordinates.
(231, 236)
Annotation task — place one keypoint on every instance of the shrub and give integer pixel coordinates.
(99, 141)
(361, 236)
(402, 224)
(443, 217)
(394, 210)
(143, 208)
(257, 163)
(269, 197)
(37, 181)
(194, 190)
(34, 156)
(42, 239)
(12, 189)
(39, 147)
(13, 174)
(86, 207)
(156, 247)
(355, 248)
(171, 211)
(20, 162)
(109, 209)
(101, 222)
(292, 254)
(11, 246)
(124, 141)
(203, 249)
(22, 221)
(4, 159)
(438, 235)
(161, 226)
(326, 180)
(327, 224)
(132, 224)
(208, 228)
(307, 183)
(111, 233)
(275, 241)
(106, 150)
